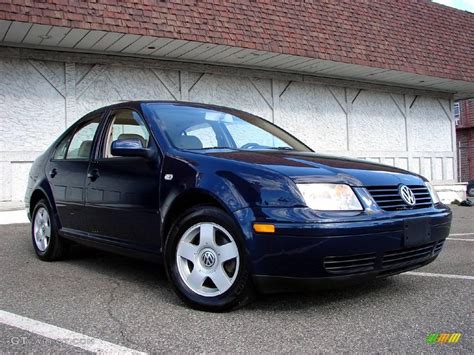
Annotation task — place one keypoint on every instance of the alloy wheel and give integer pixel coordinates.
(208, 259)
(42, 229)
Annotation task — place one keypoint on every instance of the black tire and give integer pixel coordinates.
(57, 247)
(241, 291)
(470, 189)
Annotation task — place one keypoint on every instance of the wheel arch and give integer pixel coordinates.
(38, 194)
(185, 201)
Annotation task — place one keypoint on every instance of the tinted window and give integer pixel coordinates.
(125, 124)
(195, 128)
(205, 133)
(60, 152)
(243, 133)
(81, 143)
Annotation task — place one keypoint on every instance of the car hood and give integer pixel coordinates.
(312, 167)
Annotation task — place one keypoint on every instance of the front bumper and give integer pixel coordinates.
(332, 250)
(274, 284)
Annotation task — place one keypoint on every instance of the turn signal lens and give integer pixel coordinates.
(433, 193)
(264, 228)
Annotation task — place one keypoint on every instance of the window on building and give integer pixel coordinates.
(457, 113)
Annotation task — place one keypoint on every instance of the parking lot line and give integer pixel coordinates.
(461, 234)
(448, 276)
(464, 240)
(63, 335)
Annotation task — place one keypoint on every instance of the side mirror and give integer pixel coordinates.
(131, 148)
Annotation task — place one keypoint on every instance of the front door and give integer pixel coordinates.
(122, 192)
(67, 173)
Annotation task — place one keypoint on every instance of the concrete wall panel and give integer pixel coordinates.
(431, 125)
(101, 92)
(19, 180)
(449, 165)
(377, 123)
(402, 163)
(315, 115)
(5, 181)
(427, 168)
(415, 165)
(142, 84)
(38, 99)
(32, 111)
(236, 92)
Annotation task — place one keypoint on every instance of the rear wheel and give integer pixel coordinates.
(48, 245)
(206, 261)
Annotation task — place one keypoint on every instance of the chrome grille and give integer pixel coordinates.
(407, 256)
(438, 247)
(350, 264)
(388, 198)
(388, 263)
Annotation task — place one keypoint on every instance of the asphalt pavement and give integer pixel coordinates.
(130, 303)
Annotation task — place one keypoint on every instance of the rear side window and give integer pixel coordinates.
(61, 149)
(81, 142)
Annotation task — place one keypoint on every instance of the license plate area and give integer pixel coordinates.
(417, 232)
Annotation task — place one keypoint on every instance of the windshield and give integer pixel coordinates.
(197, 128)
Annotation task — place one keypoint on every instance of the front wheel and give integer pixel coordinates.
(206, 261)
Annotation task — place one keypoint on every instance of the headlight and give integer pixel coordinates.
(433, 193)
(330, 197)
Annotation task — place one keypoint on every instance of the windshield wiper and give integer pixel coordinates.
(281, 148)
(215, 148)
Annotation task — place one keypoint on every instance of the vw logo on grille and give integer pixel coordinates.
(208, 258)
(407, 195)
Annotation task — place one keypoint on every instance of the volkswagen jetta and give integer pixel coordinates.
(230, 203)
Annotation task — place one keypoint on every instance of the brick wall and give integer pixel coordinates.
(465, 140)
(466, 108)
(414, 36)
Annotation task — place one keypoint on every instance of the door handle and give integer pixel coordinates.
(93, 174)
(53, 173)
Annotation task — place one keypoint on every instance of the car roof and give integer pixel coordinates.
(138, 103)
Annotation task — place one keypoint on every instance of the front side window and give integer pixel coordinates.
(125, 124)
(81, 143)
(197, 128)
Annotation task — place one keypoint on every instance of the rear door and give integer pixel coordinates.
(122, 192)
(67, 171)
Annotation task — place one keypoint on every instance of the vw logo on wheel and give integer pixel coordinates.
(208, 258)
(407, 195)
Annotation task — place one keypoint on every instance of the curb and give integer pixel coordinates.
(13, 217)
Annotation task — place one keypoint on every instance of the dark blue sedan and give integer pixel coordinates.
(230, 203)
